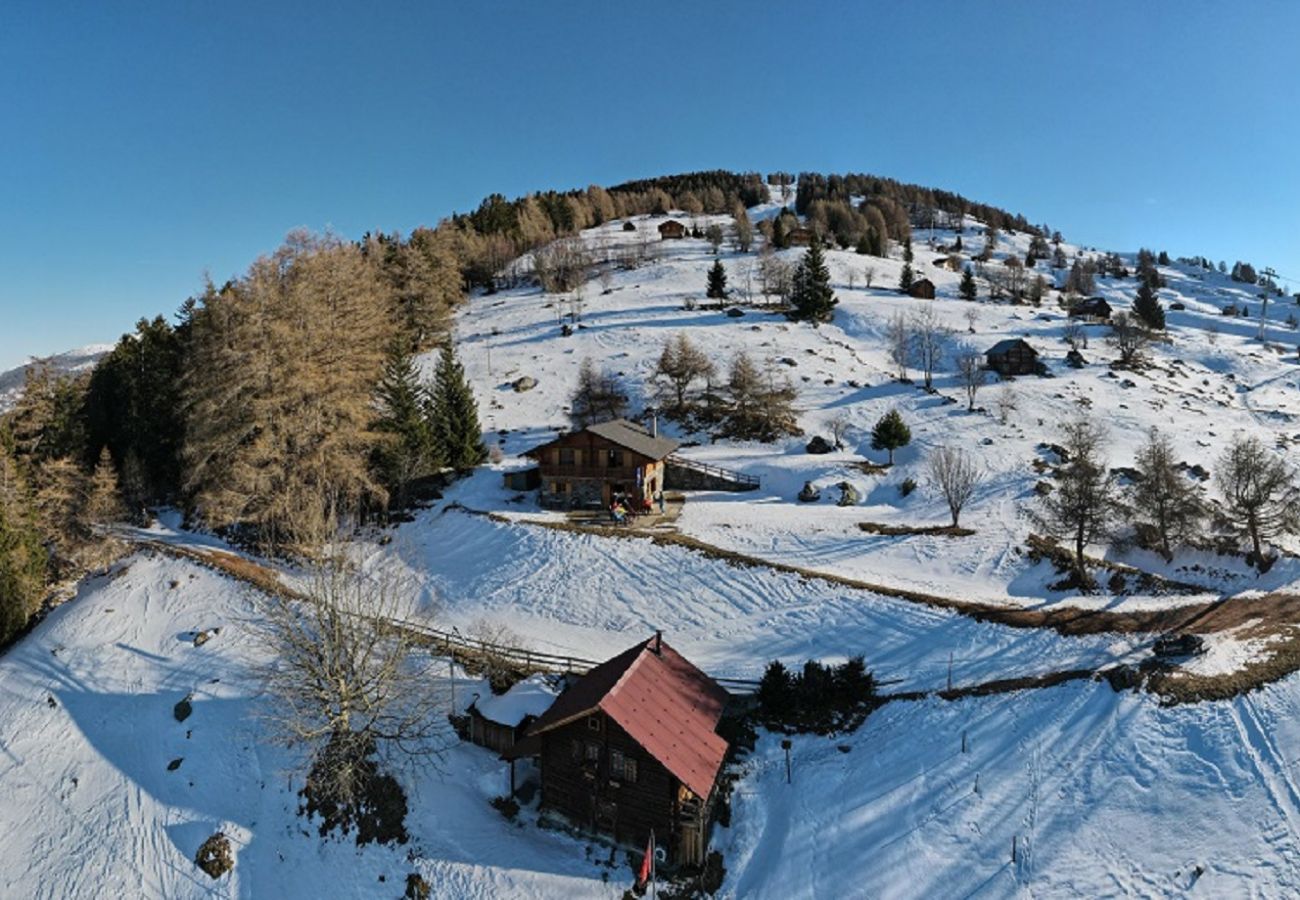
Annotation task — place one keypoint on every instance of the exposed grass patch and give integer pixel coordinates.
(898, 530)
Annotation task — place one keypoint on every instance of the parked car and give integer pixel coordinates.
(1170, 646)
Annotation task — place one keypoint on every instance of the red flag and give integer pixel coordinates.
(644, 875)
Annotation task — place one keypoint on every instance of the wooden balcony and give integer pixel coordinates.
(605, 473)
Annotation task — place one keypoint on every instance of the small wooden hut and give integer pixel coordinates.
(499, 722)
(922, 289)
(1013, 356)
(1091, 308)
(672, 230)
(798, 236)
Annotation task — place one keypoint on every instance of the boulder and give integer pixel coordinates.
(215, 856)
(524, 383)
(183, 709)
(735, 312)
(1074, 359)
(809, 494)
(819, 445)
(848, 495)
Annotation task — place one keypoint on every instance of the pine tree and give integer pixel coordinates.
(890, 433)
(905, 278)
(812, 296)
(967, 289)
(1147, 306)
(408, 450)
(458, 436)
(717, 289)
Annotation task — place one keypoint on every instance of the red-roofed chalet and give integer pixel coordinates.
(633, 746)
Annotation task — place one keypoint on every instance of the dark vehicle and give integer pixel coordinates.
(1171, 646)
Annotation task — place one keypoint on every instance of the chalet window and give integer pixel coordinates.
(622, 768)
(593, 723)
(567, 456)
(593, 752)
(614, 459)
(559, 487)
(575, 749)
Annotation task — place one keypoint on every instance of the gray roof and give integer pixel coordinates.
(634, 437)
(1010, 344)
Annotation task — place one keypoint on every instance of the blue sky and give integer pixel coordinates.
(143, 144)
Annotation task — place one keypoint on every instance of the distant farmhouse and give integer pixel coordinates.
(1012, 357)
(633, 746)
(672, 230)
(589, 468)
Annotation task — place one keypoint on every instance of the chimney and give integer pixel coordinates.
(659, 642)
(654, 424)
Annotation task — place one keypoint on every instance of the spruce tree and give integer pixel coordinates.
(1147, 306)
(458, 436)
(717, 289)
(408, 451)
(905, 278)
(890, 433)
(812, 296)
(967, 288)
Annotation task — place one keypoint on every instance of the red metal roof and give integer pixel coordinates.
(662, 701)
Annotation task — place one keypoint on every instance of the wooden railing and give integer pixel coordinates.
(611, 473)
(716, 471)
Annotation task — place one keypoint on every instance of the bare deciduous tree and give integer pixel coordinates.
(839, 427)
(930, 339)
(598, 397)
(1129, 339)
(868, 275)
(955, 475)
(1259, 491)
(346, 682)
(1008, 403)
(1075, 335)
(970, 368)
(562, 265)
(898, 334)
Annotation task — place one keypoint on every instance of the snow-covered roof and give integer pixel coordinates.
(530, 697)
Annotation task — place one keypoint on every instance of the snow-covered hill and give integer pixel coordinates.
(1104, 793)
(69, 362)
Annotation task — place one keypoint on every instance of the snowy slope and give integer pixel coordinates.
(1211, 380)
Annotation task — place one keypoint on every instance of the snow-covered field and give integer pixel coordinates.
(1104, 794)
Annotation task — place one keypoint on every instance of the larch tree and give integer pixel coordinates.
(280, 394)
(681, 364)
(598, 396)
(23, 558)
(971, 371)
(1167, 502)
(1082, 504)
(1259, 492)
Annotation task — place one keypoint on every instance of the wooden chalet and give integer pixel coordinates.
(632, 746)
(1013, 356)
(798, 236)
(498, 722)
(672, 230)
(589, 468)
(1091, 308)
(922, 288)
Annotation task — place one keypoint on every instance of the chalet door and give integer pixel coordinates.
(606, 816)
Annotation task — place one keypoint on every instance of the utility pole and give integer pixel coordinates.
(1269, 277)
